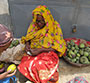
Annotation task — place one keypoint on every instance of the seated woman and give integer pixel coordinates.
(44, 33)
(44, 38)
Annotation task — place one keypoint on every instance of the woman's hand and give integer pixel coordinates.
(50, 49)
(27, 47)
(36, 51)
(6, 74)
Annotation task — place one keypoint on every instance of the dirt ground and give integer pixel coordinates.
(67, 72)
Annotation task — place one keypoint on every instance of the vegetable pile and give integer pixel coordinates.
(14, 43)
(78, 53)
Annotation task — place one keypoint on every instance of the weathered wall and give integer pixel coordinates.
(66, 12)
(4, 13)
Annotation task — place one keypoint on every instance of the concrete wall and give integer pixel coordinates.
(66, 12)
(4, 14)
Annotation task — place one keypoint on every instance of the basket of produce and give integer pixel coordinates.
(6, 37)
(78, 52)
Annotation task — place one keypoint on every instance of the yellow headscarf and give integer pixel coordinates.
(49, 36)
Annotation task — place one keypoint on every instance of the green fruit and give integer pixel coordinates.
(15, 42)
(78, 54)
(84, 60)
(73, 48)
(67, 50)
(77, 58)
(74, 60)
(87, 49)
(11, 45)
(89, 57)
(86, 53)
(81, 52)
(68, 46)
(72, 42)
(76, 47)
(73, 56)
(1, 65)
(72, 52)
(75, 51)
(81, 45)
(70, 55)
(12, 67)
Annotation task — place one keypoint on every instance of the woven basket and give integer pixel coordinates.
(87, 43)
(5, 46)
(75, 64)
(4, 42)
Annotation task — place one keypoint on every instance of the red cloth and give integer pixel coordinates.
(76, 40)
(40, 68)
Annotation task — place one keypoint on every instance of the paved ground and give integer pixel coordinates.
(68, 72)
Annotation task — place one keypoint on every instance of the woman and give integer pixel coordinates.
(44, 38)
(44, 33)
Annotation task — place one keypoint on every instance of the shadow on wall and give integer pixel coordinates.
(6, 20)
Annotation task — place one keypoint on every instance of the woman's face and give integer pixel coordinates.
(40, 21)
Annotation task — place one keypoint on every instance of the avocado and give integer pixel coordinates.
(15, 42)
(68, 46)
(89, 57)
(76, 47)
(74, 60)
(81, 52)
(72, 42)
(84, 60)
(82, 45)
(78, 55)
(75, 51)
(11, 45)
(73, 48)
(77, 58)
(86, 53)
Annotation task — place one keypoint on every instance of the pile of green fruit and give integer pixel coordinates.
(14, 43)
(78, 53)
